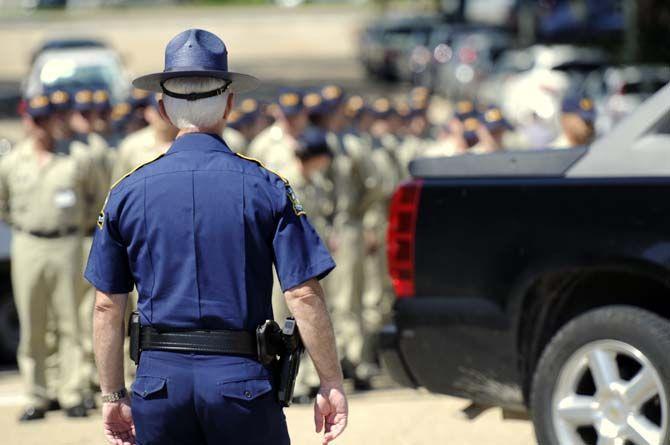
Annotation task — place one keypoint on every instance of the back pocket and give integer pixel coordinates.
(245, 389)
(150, 387)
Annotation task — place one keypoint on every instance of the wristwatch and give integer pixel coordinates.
(114, 396)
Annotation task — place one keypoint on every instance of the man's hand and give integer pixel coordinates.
(118, 423)
(330, 412)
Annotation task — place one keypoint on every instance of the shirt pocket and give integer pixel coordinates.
(148, 388)
(249, 389)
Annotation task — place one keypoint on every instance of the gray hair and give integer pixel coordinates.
(201, 113)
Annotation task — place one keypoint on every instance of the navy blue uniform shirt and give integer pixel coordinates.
(197, 232)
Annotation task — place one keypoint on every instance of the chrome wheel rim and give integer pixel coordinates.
(609, 393)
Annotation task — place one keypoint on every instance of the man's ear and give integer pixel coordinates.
(163, 113)
(229, 105)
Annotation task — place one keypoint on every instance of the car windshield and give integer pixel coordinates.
(67, 73)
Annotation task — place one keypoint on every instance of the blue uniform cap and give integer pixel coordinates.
(580, 105)
(470, 126)
(314, 104)
(101, 100)
(290, 102)
(83, 100)
(312, 143)
(332, 96)
(494, 120)
(245, 114)
(465, 109)
(61, 99)
(381, 108)
(38, 106)
(355, 107)
(140, 98)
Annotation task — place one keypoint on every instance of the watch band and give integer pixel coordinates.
(114, 396)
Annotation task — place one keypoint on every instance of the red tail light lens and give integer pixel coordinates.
(401, 237)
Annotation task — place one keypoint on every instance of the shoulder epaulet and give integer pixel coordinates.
(134, 170)
(259, 163)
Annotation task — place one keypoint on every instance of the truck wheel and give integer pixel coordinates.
(604, 379)
(9, 328)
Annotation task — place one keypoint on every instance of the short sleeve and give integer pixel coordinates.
(300, 254)
(108, 268)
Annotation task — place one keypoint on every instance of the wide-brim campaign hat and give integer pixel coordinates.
(196, 53)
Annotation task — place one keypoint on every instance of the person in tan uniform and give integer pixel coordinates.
(356, 184)
(417, 130)
(307, 178)
(275, 145)
(578, 117)
(377, 295)
(45, 196)
(84, 119)
(244, 124)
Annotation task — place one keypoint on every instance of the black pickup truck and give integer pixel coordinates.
(540, 282)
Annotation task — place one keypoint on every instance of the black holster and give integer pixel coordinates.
(134, 334)
(281, 349)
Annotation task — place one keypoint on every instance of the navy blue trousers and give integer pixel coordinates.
(191, 399)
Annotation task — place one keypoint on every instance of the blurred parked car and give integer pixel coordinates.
(426, 60)
(474, 54)
(385, 47)
(540, 76)
(622, 89)
(73, 67)
(66, 43)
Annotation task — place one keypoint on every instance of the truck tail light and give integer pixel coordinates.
(401, 237)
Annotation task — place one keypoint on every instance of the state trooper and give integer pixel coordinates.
(578, 119)
(275, 145)
(144, 144)
(46, 188)
(197, 231)
(243, 126)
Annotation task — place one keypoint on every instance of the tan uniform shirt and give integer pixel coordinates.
(59, 195)
(235, 140)
(317, 198)
(409, 149)
(274, 148)
(136, 149)
(356, 179)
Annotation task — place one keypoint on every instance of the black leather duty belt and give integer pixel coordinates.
(66, 231)
(205, 342)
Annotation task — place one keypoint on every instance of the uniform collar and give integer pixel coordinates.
(198, 142)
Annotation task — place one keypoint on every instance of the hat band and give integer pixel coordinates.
(195, 96)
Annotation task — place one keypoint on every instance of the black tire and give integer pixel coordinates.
(9, 328)
(644, 330)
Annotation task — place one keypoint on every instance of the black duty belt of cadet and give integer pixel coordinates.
(50, 234)
(205, 342)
